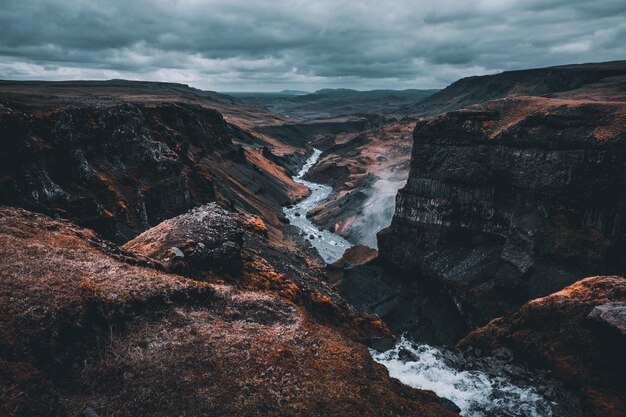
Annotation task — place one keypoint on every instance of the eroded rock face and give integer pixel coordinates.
(559, 332)
(84, 323)
(103, 165)
(121, 157)
(512, 200)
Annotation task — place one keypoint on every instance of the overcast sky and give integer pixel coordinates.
(248, 45)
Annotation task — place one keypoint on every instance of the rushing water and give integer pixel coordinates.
(329, 245)
(474, 392)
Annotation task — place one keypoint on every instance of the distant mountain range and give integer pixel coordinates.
(329, 102)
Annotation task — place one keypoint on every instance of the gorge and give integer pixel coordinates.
(171, 251)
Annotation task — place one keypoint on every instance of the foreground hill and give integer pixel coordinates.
(87, 326)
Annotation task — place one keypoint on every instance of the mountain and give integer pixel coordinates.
(293, 92)
(551, 81)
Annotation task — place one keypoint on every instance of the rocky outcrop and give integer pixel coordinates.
(121, 157)
(613, 315)
(211, 244)
(85, 325)
(512, 200)
(208, 239)
(560, 332)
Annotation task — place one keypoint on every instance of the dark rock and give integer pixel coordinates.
(89, 412)
(501, 212)
(449, 405)
(407, 356)
(207, 239)
(611, 314)
(380, 344)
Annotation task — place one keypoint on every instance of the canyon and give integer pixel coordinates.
(155, 257)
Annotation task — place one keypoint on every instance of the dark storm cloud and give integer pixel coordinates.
(265, 45)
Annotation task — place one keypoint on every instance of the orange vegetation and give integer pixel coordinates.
(84, 323)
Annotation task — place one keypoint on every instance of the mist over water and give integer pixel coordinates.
(379, 208)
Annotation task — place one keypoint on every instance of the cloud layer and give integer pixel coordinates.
(260, 45)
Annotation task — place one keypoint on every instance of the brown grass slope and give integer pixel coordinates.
(84, 323)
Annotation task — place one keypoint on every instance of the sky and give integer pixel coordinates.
(248, 45)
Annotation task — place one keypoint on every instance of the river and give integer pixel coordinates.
(425, 367)
(329, 245)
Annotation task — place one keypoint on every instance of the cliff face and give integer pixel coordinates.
(86, 324)
(121, 158)
(577, 333)
(512, 200)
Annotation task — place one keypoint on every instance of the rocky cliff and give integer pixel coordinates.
(512, 200)
(119, 157)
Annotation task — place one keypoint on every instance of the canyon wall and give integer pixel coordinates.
(512, 200)
(120, 157)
